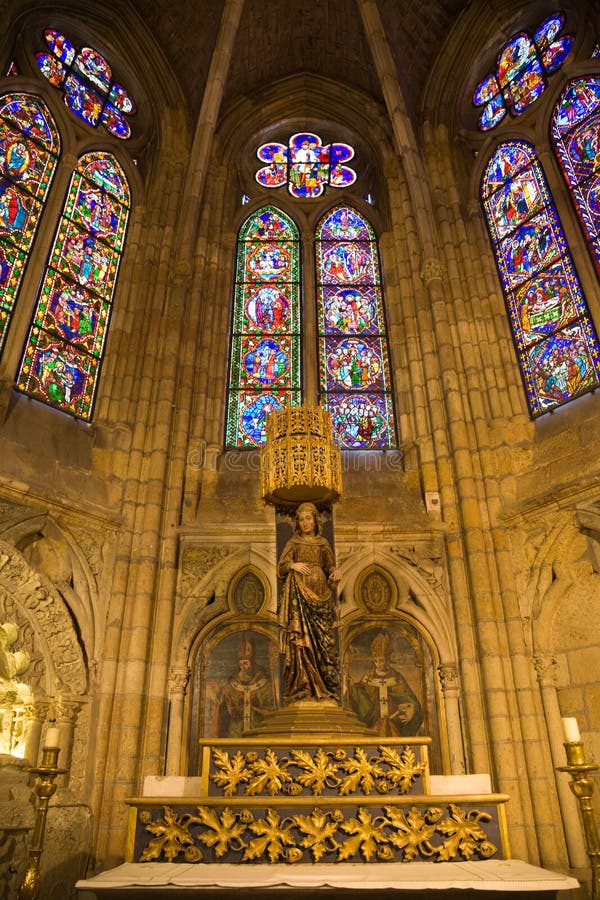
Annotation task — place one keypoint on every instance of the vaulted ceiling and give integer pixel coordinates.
(282, 38)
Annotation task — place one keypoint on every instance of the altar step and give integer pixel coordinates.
(343, 816)
(473, 880)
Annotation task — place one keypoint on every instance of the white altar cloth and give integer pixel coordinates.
(500, 875)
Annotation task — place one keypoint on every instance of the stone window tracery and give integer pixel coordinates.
(267, 358)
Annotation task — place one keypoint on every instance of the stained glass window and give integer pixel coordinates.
(29, 147)
(85, 78)
(555, 339)
(354, 366)
(575, 133)
(523, 65)
(305, 165)
(60, 364)
(265, 352)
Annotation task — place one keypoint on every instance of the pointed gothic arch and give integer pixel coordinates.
(354, 369)
(555, 340)
(264, 372)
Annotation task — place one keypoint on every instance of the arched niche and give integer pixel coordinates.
(233, 665)
(390, 666)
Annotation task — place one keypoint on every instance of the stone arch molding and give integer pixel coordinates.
(418, 569)
(35, 605)
(205, 578)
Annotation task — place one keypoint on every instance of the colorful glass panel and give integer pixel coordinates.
(265, 349)
(60, 364)
(29, 147)
(556, 343)
(575, 133)
(306, 165)
(354, 371)
(523, 65)
(85, 78)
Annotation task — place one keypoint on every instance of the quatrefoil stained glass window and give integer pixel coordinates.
(523, 65)
(306, 165)
(85, 78)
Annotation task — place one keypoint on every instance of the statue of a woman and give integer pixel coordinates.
(307, 616)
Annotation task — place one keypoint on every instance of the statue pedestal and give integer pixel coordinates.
(311, 717)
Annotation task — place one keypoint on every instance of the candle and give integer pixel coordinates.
(571, 731)
(52, 738)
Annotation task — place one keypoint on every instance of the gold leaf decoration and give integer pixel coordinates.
(464, 833)
(361, 773)
(367, 836)
(272, 837)
(224, 833)
(318, 833)
(318, 772)
(337, 835)
(230, 772)
(412, 832)
(172, 836)
(403, 769)
(267, 774)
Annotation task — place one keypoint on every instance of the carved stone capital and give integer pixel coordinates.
(67, 711)
(449, 679)
(178, 682)
(38, 710)
(545, 669)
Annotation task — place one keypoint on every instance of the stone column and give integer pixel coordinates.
(66, 718)
(545, 667)
(450, 682)
(178, 682)
(39, 711)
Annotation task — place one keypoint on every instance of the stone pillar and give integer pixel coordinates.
(39, 711)
(450, 682)
(66, 718)
(178, 682)
(545, 667)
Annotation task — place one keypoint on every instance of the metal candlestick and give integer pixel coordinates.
(583, 788)
(44, 789)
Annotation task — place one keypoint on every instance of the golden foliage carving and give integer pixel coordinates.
(318, 771)
(222, 834)
(361, 773)
(464, 834)
(387, 770)
(172, 838)
(229, 772)
(273, 836)
(367, 835)
(268, 775)
(319, 830)
(413, 831)
(403, 769)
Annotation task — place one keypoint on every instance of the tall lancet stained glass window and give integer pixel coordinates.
(354, 380)
(576, 136)
(554, 336)
(265, 352)
(62, 357)
(29, 147)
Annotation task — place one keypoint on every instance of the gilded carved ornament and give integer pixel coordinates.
(301, 772)
(386, 834)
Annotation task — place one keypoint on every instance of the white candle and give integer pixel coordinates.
(571, 731)
(52, 738)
